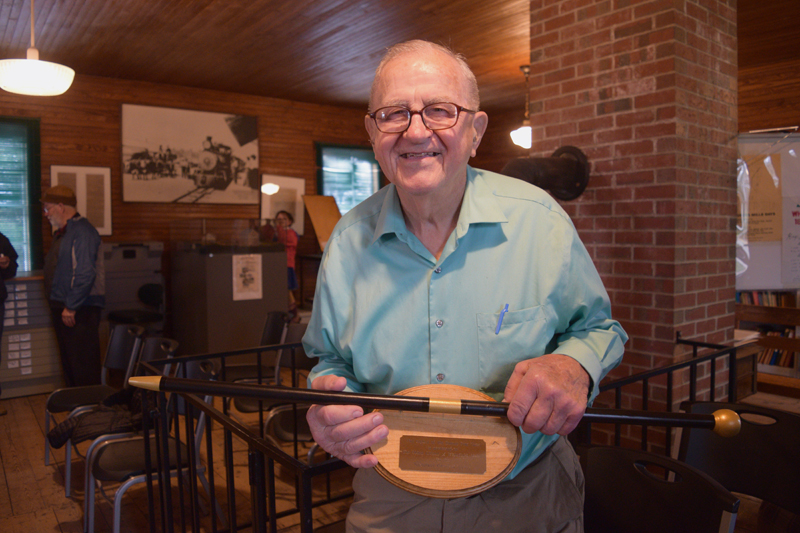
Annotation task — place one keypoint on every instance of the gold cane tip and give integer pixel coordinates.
(146, 382)
(728, 423)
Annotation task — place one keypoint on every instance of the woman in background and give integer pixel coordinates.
(288, 237)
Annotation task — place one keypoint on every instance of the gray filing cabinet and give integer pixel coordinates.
(30, 363)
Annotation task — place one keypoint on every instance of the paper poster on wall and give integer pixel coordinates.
(790, 245)
(247, 283)
(92, 187)
(765, 204)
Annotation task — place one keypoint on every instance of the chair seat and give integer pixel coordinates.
(123, 459)
(134, 316)
(65, 400)
(280, 424)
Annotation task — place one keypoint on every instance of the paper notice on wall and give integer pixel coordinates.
(764, 224)
(790, 245)
(247, 283)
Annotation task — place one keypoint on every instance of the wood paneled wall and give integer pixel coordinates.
(82, 127)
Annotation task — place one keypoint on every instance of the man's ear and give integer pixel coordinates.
(479, 123)
(372, 130)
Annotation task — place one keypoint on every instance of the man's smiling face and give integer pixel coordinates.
(420, 161)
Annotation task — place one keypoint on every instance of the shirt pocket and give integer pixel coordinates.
(524, 333)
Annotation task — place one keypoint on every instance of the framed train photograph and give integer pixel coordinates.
(174, 155)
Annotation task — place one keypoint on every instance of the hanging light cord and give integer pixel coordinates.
(526, 69)
(32, 38)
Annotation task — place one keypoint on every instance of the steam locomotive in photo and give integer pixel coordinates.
(217, 167)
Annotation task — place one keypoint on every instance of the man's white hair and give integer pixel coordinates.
(418, 45)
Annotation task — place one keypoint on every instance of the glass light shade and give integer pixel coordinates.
(270, 188)
(522, 136)
(33, 77)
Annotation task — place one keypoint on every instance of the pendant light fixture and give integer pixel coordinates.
(34, 77)
(522, 135)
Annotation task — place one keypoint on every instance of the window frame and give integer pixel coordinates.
(320, 147)
(33, 145)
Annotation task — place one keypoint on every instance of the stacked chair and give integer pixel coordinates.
(124, 346)
(121, 459)
(761, 461)
(287, 423)
(630, 491)
(248, 372)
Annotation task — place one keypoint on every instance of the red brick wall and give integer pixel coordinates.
(648, 91)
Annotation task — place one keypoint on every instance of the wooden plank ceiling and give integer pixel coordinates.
(322, 51)
(768, 32)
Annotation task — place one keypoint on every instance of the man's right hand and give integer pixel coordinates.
(342, 430)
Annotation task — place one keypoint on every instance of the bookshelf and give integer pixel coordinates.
(776, 315)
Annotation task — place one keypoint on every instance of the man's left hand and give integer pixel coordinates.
(68, 317)
(547, 394)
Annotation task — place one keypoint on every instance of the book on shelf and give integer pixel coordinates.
(745, 336)
(776, 315)
(778, 357)
(768, 298)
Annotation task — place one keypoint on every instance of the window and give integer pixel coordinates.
(349, 174)
(20, 190)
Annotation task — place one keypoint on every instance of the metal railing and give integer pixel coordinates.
(644, 379)
(262, 458)
(263, 455)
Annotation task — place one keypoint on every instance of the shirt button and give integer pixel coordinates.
(439, 377)
(439, 323)
(438, 270)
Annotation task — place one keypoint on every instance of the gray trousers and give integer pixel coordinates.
(546, 497)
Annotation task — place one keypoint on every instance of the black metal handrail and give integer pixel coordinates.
(262, 457)
(645, 377)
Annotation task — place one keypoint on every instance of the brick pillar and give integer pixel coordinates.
(647, 89)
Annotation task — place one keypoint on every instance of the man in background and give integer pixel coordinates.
(74, 282)
(8, 269)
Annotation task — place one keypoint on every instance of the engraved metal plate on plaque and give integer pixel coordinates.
(442, 454)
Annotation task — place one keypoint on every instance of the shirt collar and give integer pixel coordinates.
(478, 207)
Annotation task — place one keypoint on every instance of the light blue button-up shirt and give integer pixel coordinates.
(388, 316)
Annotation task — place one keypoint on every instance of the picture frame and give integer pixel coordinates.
(172, 155)
(289, 197)
(92, 187)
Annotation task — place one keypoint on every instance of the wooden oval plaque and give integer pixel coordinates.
(446, 455)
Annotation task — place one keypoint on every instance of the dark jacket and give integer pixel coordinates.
(7, 273)
(74, 271)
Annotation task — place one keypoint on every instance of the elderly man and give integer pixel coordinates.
(74, 281)
(458, 276)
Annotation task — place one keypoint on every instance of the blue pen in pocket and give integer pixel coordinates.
(500, 321)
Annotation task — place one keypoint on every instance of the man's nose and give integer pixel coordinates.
(417, 127)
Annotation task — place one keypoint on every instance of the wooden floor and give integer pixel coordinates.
(32, 494)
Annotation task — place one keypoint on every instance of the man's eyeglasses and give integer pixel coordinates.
(397, 119)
